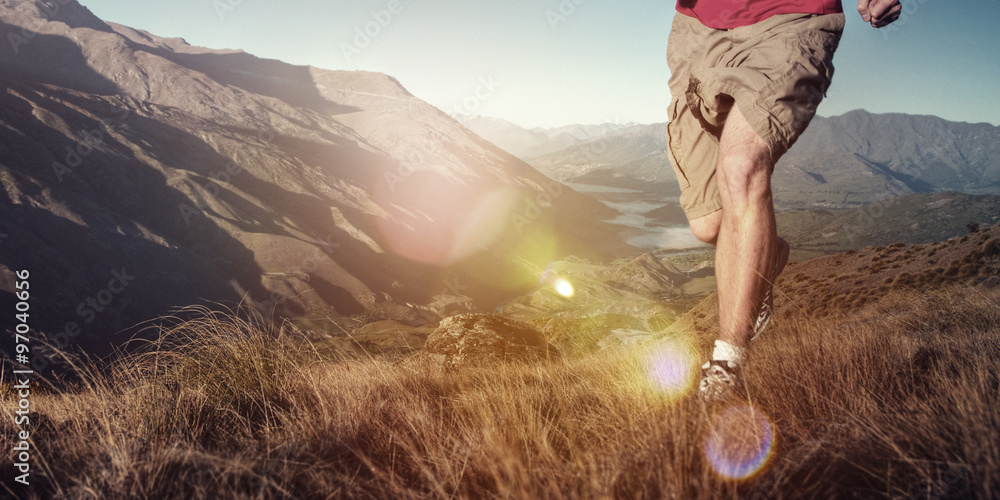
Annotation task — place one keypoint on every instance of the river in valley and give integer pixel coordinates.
(666, 230)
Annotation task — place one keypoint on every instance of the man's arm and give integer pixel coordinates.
(879, 12)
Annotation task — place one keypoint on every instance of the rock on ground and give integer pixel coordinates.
(474, 339)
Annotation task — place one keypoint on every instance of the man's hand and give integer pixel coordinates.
(879, 12)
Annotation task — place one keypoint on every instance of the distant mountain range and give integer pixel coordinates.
(860, 157)
(839, 162)
(620, 155)
(141, 173)
(530, 143)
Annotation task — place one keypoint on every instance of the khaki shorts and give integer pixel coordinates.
(777, 71)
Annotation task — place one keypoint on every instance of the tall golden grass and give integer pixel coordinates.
(898, 400)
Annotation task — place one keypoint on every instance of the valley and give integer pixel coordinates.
(255, 279)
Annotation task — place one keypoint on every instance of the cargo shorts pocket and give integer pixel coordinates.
(675, 146)
(789, 102)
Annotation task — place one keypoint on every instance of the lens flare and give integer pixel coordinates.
(740, 443)
(528, 255)
(429, 218)
(672, 367)
(564, 288)
(484, 223)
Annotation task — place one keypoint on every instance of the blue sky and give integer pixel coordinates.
(597, 61)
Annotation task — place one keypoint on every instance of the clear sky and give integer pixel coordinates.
(597, 61)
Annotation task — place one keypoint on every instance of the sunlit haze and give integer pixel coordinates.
(558, 62)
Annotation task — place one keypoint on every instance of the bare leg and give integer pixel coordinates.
(747, 239)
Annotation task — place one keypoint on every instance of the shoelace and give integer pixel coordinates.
(764, 317)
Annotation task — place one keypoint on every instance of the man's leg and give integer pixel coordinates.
(747, 240)
(749, 255)
(746, 255)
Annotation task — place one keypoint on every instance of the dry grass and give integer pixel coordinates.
(898, 403)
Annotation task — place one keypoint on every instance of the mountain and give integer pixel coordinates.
(839, 162)
(530, 143)
(628, 156)
(833, 180)
(860, 157)
(512, 138)
(141, 173)
(926, 152)
(633, 157)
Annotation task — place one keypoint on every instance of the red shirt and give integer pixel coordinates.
(728, 14)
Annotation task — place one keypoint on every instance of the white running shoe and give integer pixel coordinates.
(720, 381)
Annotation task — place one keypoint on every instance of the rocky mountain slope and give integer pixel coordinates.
(631, 157)
(860, 157)
(925, 152)
(141, 173)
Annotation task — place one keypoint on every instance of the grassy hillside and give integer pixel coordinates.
(892, 398)
(919, 218)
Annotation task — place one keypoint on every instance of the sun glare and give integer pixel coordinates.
(564, 288)
(672, 367)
